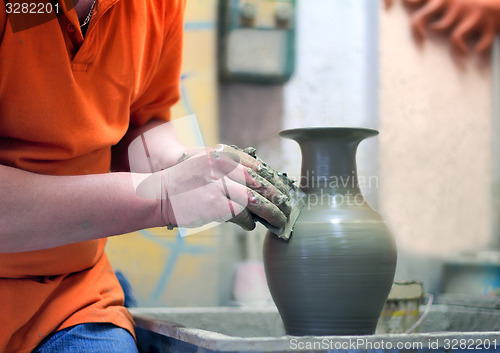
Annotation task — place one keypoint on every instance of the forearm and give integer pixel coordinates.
(39, 211)
(162, 143)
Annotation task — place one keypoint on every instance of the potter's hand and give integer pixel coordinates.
(219, 184)
(474, 21)
(468, 20)
(412, 3)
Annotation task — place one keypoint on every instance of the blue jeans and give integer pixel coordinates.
(89, 338)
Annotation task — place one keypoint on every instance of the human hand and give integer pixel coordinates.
(388, 3)
(217, 184)
(473, 21)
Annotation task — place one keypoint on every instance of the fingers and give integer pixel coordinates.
(467, 20)
(412, 3)
(280, 181)
(449, 18)
(268, 190)
(249, 159)
(223, 163)
(487, 37)
(231, 156)
(216, 202)
(239, 156)
(264, 198)
(255, 203)
(259, 205)
(258, 176)
(387, 4)
(224, 167)
(244, 219)
(202, 169)
(415, 2)
(422, 16)
(222, 177)
(464, 29)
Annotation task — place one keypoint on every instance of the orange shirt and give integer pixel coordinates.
(64, 101)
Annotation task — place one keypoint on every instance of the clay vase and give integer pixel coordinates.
(333, 276)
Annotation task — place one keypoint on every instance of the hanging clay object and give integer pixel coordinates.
(333, 276)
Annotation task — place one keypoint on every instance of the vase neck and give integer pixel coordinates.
(329, 167)
(329, 158)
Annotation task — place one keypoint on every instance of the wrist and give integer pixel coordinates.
(165, 205)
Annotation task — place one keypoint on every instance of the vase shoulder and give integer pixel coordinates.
(341, 230)
(337, 206)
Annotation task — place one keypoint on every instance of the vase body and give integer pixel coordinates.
(333, 276)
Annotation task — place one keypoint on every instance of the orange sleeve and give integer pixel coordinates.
(3, 19)
(155, 101)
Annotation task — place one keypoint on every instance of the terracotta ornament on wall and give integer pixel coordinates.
(468, 22)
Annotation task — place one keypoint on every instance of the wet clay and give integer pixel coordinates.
(333, 276)
(280, 181)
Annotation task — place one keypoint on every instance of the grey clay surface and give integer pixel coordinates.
(334, 274)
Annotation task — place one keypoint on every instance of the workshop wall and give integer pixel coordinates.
(357, 65)
(435, 149)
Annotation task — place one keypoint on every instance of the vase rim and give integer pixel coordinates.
(361, 132)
